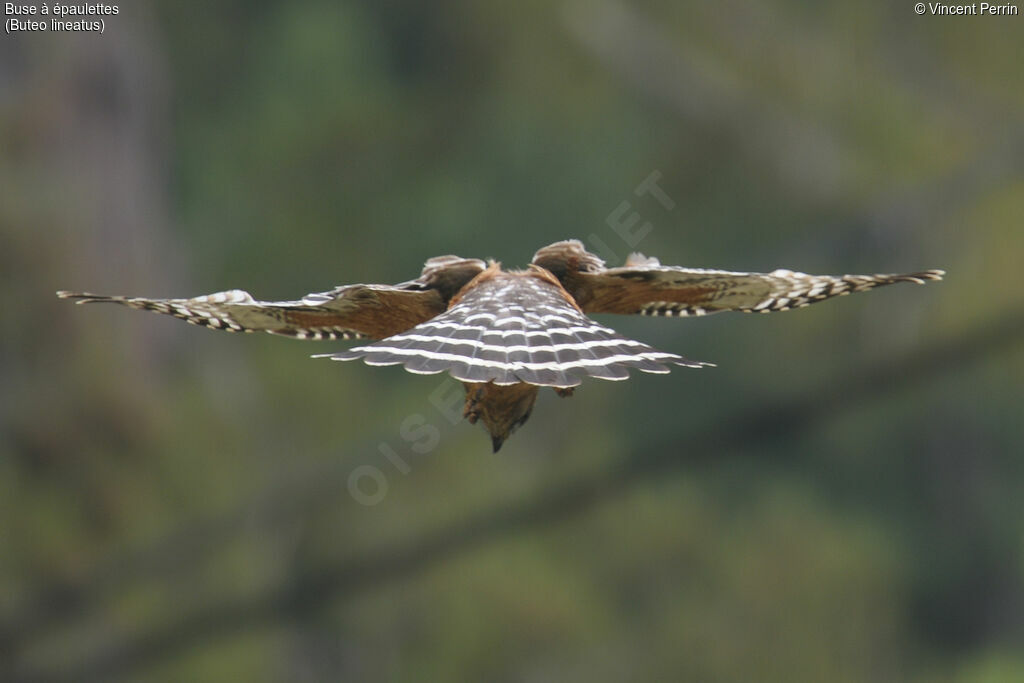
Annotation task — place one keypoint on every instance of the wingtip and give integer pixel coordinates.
(926, 276)
(80, 297)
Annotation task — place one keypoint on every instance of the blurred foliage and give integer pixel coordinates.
(288, 147)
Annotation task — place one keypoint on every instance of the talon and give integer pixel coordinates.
(472, 410)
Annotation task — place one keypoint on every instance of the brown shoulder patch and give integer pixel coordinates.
(492, 271)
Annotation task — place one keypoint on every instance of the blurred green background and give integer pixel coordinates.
(176, 504)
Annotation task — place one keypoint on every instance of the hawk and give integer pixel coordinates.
(504, 333)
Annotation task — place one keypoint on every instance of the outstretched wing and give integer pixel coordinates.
(673, 291)
(353, 311)
(346, 312)
(644, 286)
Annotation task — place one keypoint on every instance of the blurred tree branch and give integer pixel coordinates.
(695, 85)
(311, 590)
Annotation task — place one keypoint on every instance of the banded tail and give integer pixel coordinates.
(516, 327)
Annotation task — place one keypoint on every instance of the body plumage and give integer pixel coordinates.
(504, 333)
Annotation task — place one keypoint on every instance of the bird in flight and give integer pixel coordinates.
(504, 334)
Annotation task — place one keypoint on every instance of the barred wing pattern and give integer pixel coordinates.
(670, 291)
(353, 311)
(643, 286)
(505, 334)
(516, 327)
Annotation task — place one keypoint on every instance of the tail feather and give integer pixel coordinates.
(516, 329)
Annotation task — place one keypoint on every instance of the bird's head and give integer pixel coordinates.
(502, 409)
